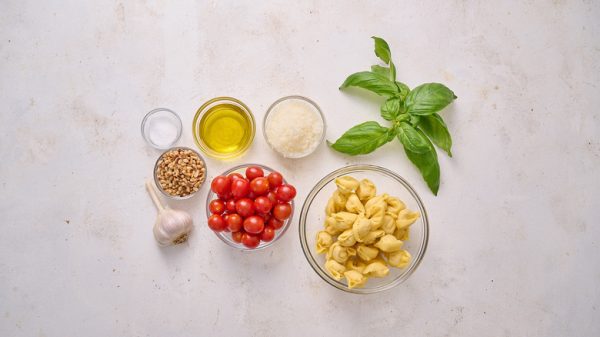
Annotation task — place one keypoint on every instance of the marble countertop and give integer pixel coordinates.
(514, 244)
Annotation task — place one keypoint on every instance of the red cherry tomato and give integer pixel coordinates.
(230, 205)
(233, 176)
(217, 206)
(275, 179)
(221, 185)
(245, 207)
(253, 172)
(237, 236)
(234, 222)
(267, 217)
(267, 234)
(271, 195)
(285, 192)
(260, 186)
(254, 224)
(275, 223)
(216, 223)
(263, 205)
(250, 240)
(282, 211)
(240, 188)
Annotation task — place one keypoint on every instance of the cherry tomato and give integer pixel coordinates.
(253, 172)
(267, 217)
(260, 186)
(254, 224)
(234, 222)
(230, 205)
(263, 205)
(217, 206)
(221, 185)
(233, 176)
(245, 207)
(275, 223)
(240, 188)
(271, 195)
(250, 240)
(285, 192)
(237, 236)
(275, 179)
(282, 211)
(216, 223)
(267, 234)
(251, 195)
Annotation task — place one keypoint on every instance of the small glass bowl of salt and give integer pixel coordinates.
(161, 128)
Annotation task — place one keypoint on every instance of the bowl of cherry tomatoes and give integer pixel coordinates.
(250, 206)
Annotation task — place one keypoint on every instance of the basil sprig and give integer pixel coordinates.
(413, 113)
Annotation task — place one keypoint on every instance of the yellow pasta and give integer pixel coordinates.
(346, 184)
(355, 279)
(324, 241)
(366, 190)
(388, 243)
(354, 205)
(361, 229)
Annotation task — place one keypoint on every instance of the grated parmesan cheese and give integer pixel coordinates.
(294, 127)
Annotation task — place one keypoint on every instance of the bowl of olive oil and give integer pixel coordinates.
(224, 128)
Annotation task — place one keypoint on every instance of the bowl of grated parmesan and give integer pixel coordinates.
(294, 126)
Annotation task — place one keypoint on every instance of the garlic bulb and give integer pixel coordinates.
(172, 226)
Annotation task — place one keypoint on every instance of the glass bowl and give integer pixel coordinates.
(312, 217)
(226, 236)
(202, 114)
(303, 99)
(161, 128)
(155, 173)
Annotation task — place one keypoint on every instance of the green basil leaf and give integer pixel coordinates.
(428, 98)
(392, 71)
(391, 108)
(376, 83)
(403, 90)
(434, 127)
(382, 49)
(427, 163)
(412, 139)
(363, 138)
(383, 71)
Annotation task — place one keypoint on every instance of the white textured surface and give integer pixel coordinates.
(514, 246)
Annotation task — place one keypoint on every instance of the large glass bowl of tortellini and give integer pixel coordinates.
(363, 229)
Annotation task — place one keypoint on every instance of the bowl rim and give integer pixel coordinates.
(147, 138)
(211, 196)
(200, 114)
(302, 98)
(303, 237)
(156, 182)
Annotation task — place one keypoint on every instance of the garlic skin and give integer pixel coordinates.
(172, 227)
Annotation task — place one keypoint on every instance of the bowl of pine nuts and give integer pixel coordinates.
(179, 172)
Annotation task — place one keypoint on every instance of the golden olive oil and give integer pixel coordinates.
(226, 129)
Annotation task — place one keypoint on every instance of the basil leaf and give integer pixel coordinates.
(428, 98)
(372, 82)
(382, 49)
(435, 128)
(403, 89)
(392, 71)
(428, 165)
(391, 108)
(363, 138)
(412, 139)
(383, 71)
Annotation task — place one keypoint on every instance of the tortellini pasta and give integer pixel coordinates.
(388, 243)
(324, 241)
(354, 205)
(366, 190)
(363, 232)
(346, 184)
(399, 259)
